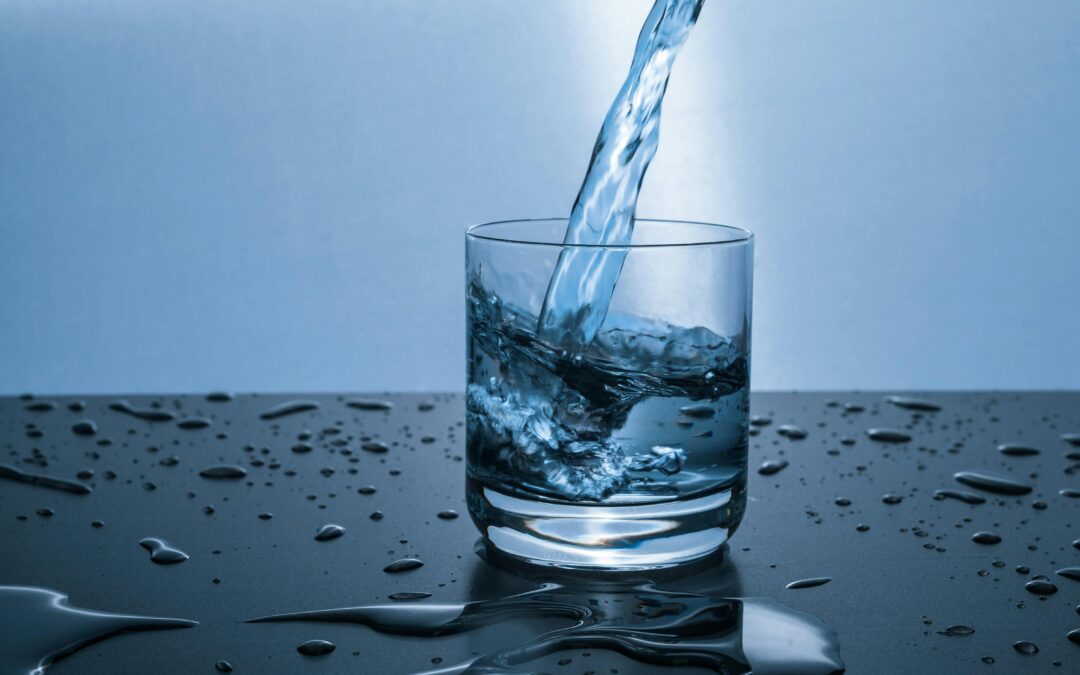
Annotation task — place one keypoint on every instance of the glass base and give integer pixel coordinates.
(624, 538)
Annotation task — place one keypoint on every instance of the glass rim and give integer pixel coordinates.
(742, 235)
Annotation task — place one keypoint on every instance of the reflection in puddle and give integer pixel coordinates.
(639, 621)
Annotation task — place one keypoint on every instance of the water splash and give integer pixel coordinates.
(582, 284)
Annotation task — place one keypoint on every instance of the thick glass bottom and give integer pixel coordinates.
(599, 537)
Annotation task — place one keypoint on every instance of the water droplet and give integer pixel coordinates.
(1022, 569)
(957, 630)
(377, 447)
(369, 404)
(40, 628)
(808, 583)
(302, 448)
(161, 552)
(40, 406)
(1070, 573)
(986, 538)
(1039, 505)
(406, 596)
(45, 513)
(791, 431)
(842, 501)
(366, 489)
(426, 406)
(403, 565)
(219, 397)
(987, 659)
(448, 514)
(1069, 492)
(698, 411)
(892, 499)
(1025, 648)
(316, 648)
(966, 497)
(910, 403)
(862, 527)
(97, 524)
(328, 532)
(11, 473)
(1017, 450)
(1074, 636)
(194, 423)
(288, 408)
(760, 420)
(853, 408)
(148, 414)
(224, 472)
(1040, 587)
(1073, 439)
(888, 436)
(266, 515)
(376, 515)
(85, 427)
(992, 483)
(771, 467)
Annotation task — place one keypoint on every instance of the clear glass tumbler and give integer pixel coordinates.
(628, 453)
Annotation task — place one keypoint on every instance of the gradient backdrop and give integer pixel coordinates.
(271, 195)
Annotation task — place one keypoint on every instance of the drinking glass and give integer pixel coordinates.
(627, 453)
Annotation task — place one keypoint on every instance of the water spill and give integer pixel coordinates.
(1017, 450)
(1069, 573)
(966, 497)
(771, 467)
(1026, 648)
(328, 532)
(651, 626)
(38, 628)
(1040, 587)
(316, 648)
(808, 583)
(957, 630)
(194, 423)
(224, 472)
(888, 435)
(161, 552)
(909, 403)
(288, 408)
(85, 427)
(369, 404)
(403, 565)
(148, 414)
(986, 538)
(1002, 485)
(11, 473)
(791, 431)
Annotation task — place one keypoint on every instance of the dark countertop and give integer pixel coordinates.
(915, 571)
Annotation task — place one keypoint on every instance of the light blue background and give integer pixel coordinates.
(271, 195)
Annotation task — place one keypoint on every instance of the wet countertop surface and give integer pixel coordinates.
(911, 588)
